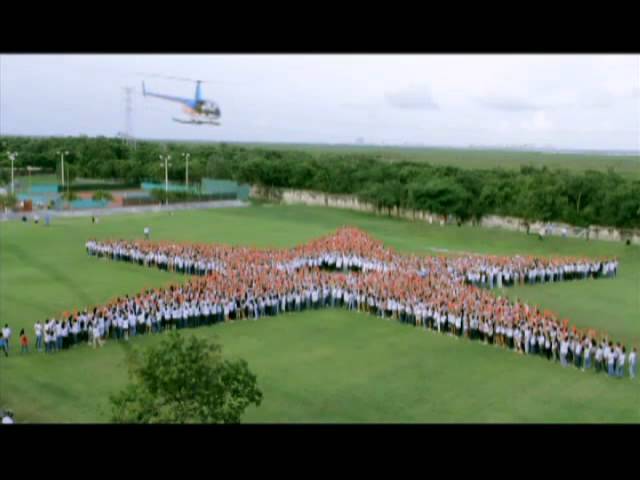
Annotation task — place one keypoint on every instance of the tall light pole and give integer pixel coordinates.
(12, 156)
(62, 154)
(68, 178)
(29, 168)
(166, 159)
(186, 176)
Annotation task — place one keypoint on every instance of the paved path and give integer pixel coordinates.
(101, 212)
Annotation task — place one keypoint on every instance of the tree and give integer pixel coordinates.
(441, 195)
(184, 380)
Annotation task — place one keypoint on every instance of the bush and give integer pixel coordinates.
(70, 196)
(102, 195)
(185, 197)
(8, 201)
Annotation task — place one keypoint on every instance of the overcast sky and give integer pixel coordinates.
(564, 101)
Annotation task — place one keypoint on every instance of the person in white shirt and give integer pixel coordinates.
(47, 339)
(620, 363)
(97, 341)
(38, 330)
(124, 326)
(547, 346)
(132, 323)
(6, 334)
(611, 360)
(587, 355)
(633, 364)
(564, 349)
(541, 349)
(578, 355)
(59, 335)
(7, 418)
(599, 356)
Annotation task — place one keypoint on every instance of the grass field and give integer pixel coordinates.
(325, 366)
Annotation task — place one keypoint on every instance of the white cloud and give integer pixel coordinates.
(415, 97)
(539, 121)
(508, 104)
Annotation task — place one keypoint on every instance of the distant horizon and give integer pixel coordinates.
(356, 145)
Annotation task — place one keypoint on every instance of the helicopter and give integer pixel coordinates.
(199, 110)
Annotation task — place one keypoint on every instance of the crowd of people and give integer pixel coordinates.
(352, 270)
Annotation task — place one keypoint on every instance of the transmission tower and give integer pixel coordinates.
(128, 137)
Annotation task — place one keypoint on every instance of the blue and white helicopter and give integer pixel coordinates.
(199, 110)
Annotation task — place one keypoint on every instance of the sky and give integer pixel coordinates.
(559, 101)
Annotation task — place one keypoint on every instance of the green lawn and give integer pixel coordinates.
(321, 366)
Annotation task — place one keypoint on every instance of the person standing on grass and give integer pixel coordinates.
(46, 338)
(75, 331)
(588, 347)
(3, 345)
(633, 363)
(564, 349)
(120, 322)
(97, 341)
(38, 331)
(6, 334)
(578, 354)
(125, 327)
(547, 346)
(131, 320)
(7, 418)
(58, 335)
(622, 356)
(541, 347)
(611, 361)
(65, 334)
(599, 357)
(605, 355)
(24, 342)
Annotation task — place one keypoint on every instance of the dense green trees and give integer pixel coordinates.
(589, 198)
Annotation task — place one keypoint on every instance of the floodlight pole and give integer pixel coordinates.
(12, 156)
(62, 154)
(186, 177)
(166, 159)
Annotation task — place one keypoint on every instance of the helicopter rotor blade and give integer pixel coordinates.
(192, 80)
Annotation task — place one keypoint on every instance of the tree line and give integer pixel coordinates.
(582, 199)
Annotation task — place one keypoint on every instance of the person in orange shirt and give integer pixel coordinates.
(24, 342)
